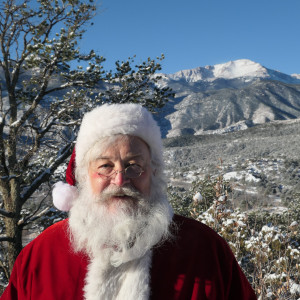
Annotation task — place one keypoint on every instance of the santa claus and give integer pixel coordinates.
(121, 240)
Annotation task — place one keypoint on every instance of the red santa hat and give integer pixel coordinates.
(63, 194)
(105, 121)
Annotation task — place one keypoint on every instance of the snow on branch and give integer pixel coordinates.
(8, 178)
(35, 215)
(44, 175)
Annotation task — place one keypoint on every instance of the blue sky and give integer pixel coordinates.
(193, 33)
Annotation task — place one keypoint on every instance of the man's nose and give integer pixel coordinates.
(120, 178)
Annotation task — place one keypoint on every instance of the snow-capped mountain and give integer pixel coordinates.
(242, 68)
(228, 97)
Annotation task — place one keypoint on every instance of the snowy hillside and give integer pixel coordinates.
(262, 162)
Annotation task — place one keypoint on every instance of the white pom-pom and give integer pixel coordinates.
(63, 195)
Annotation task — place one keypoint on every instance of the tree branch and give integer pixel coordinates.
(6, 214)
(45, 174)
(33, 216)
(39, 134)
(5, 269)
(4, 238)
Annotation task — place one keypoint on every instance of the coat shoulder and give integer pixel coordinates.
(57, 232)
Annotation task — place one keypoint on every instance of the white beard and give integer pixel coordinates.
(128, 281)
(119, 241)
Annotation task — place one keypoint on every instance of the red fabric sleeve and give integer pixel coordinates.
(48, 268)
(11, 292)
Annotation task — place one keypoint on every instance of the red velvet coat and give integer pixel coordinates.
(197, 264)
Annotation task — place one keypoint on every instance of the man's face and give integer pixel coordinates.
(125, 151)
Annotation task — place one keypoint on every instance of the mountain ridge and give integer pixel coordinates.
(227, 97)
(233, 69)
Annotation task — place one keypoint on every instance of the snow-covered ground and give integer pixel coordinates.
(260, 181)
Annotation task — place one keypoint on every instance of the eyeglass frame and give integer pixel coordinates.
(115, 172)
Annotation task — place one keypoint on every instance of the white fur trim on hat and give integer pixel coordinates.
(63, 195)
(113, 119)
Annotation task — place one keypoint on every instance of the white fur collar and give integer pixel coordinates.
(130, 280)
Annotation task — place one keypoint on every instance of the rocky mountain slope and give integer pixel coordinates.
(228, 97)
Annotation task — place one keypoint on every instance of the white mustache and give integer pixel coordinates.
(114, 191)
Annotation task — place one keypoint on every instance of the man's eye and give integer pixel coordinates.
(135, 168)
(105, 169)
(133, 165)
(105, 166)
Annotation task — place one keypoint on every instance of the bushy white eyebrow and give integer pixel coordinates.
(130, 156)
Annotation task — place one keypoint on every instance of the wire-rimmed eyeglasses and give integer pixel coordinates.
(130, 172)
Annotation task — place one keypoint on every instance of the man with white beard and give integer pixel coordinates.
(121, 240)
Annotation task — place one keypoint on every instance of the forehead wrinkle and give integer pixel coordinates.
(127, 157)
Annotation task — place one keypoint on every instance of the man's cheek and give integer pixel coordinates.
(96, 182)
